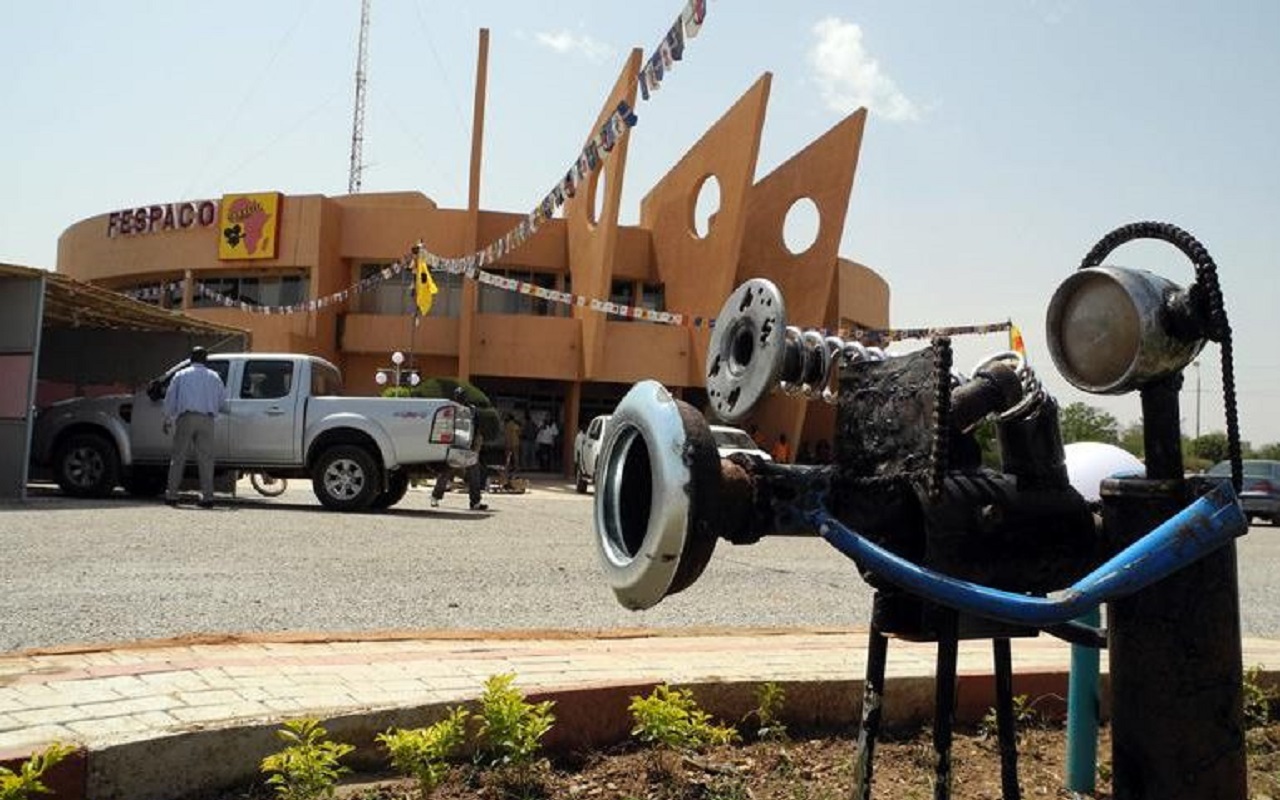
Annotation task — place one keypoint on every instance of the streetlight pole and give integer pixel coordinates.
(397, 374)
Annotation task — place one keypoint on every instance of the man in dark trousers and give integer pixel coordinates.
(474, 474)
(194, 398)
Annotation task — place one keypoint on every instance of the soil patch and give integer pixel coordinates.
(802, 769)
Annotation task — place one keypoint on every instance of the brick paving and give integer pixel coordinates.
(104, 697)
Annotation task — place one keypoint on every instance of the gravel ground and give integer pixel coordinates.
(78, 571)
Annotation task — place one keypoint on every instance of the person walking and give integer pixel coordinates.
(781, 450)
(195, 397)
(511, 436)
(474, 474)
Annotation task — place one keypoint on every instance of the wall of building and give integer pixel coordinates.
(329, 239)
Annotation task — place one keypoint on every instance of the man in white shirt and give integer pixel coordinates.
(546, 440)
(195, 397)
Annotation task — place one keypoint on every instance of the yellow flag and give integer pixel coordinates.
(1015, 340)
(424, 287)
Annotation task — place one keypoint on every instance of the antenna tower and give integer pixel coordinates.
(357, 122)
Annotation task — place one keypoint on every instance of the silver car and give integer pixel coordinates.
(1260, 494)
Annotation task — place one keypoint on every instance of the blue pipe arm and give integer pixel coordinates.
(1202, 527)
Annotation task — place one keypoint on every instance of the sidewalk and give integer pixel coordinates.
(168, 718)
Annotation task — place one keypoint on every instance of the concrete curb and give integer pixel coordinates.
(142, 743)
(199, 762)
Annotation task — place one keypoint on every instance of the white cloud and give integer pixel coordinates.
(848, 77)
(563, 41)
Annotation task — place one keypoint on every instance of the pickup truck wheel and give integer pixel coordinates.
(397, 487)
(581, 480)
(87, 465)
(346, 478)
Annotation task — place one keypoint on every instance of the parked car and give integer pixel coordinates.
(284, 417)
(735, 440)
(1260, 494)
(587, 450)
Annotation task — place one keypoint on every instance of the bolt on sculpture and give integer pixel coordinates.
(955, 550)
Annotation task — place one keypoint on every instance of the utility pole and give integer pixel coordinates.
(1196, 364)
(357, 122)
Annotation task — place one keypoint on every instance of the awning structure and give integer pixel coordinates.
(61, 338)
(69, 303)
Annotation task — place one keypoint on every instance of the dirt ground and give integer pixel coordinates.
(800, 769)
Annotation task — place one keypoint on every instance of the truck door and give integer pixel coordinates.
(261, 427)
(146, 424)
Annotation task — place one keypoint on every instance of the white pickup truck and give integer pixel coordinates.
(285, 416)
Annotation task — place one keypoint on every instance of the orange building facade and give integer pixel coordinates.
(536, 359)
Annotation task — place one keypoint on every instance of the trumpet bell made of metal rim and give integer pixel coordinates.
(744, 357)
(1108, 330)
(644, 499)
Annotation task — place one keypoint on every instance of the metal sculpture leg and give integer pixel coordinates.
(944, 705)
(872, 699)
(1005, 722)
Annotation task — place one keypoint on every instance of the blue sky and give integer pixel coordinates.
(1004, 137)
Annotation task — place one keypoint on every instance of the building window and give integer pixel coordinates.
(495, 300)
(394, 295)
(256, 290)
(167, 294)
(653, 296)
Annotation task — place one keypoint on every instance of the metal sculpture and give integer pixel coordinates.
(953, 549)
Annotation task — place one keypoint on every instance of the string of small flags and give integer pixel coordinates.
(588, 161)
(671, 48)
(882, 337)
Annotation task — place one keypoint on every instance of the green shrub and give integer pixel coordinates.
(671, 717)
(308, 765)
(511, 729)
(1025, 715)
(26, 781)
(1257, 699)
(424, 753)
(768, 711)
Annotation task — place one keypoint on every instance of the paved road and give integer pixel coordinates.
(106, 571)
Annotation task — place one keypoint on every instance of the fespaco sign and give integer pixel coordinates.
(247, 224)
(158, 218)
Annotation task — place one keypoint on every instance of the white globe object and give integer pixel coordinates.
(381, 378)
(1090, 463)
(414, 380)
(397, 358)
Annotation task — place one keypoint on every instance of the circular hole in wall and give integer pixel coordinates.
(706, 206)
(800, 229)
(596, 200)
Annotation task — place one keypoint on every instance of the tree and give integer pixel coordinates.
(1082, 422)
(1269, 451)
(1131, 439)
(1212, 447)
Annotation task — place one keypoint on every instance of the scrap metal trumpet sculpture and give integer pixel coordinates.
(954, 549)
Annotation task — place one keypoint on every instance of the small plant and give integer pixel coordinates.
(1025, 715)
(511, 728)
(671, 717)
(768, 711)
(1257, 699)
(26, 781)
(424, 753)
(308, 765)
